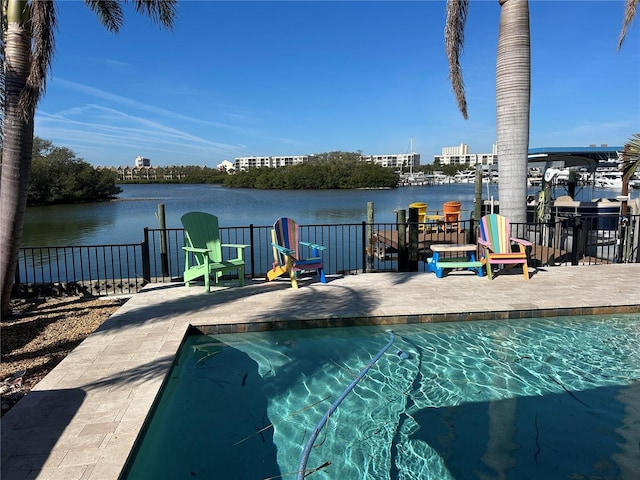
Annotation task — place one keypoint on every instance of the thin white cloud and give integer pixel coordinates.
(97, 119)
(119, 99)
(115, 130)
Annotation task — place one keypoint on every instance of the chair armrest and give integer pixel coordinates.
(281, 249)
(234, 245)
(521, 241)
(484, 243)
(238, 246)
(313, 245)
(196, 250)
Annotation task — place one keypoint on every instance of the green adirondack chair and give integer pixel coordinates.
(203, 250)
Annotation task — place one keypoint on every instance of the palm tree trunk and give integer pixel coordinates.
(513, 86)
(16, 155)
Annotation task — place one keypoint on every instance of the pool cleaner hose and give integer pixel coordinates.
(302, 467)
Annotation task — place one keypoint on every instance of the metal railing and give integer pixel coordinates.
(79, 270)
(351, 249)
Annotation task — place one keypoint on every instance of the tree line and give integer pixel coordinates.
(329, 170)
(58, 176)
(334, 170)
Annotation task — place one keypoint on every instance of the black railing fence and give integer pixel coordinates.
(351, 249)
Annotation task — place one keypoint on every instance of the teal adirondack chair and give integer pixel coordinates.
(203, 250)
(287, 257)
(496, 242)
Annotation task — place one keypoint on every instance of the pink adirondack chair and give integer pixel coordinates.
(496, 242)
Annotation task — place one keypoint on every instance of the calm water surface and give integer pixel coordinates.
(553, 398)
(122, 221)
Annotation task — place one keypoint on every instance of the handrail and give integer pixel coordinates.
(302, 467)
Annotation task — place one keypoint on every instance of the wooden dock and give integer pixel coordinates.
(386, 242)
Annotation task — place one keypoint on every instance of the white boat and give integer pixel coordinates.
(609, 179)
(465, 176)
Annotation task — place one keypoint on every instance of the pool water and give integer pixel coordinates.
(519, 399)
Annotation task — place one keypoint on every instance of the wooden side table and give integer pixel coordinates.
(468, 261)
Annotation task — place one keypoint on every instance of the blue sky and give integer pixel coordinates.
(298, 77)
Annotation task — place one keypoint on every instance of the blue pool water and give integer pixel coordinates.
(540, 399)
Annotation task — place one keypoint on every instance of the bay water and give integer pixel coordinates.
(123, 220)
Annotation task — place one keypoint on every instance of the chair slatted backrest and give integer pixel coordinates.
(496, 230)
(286, 230)
(201, 231)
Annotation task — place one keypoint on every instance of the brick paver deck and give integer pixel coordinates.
(81, 421)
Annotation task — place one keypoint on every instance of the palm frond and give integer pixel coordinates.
(109, 13)
(631, 156)
(454, 44)
(162, 12)
(629, 14)
(42, 24)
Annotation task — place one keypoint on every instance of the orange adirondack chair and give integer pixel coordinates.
(495, 242)
(451, 213)
(286, 253)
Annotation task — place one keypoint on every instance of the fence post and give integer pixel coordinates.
(252, 251)
(164, 256)
(146, 258)
(477, 195)
(413, 240)
(401, 225)
(369, 237)
(471, 233)
(575, 245)
(365, 252)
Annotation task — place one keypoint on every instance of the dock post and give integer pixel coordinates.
(477, 190)
(146, 258)
(412, 263)
(370, 220)
(164, 258)
(401, 219)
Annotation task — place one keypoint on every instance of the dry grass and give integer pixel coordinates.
(37, 336)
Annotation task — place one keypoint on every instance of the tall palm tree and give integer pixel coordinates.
(513, 83)
(28, 54)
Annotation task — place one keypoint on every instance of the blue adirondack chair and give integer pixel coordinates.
(203, 250)
(496, 242)
(286, 252)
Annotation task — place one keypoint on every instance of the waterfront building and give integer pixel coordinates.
(225, 165)
(393, 160)
(460, 155)
(142, 162)
(148, 172)
(244, 163)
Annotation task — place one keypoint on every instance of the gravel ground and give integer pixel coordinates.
(37, 336)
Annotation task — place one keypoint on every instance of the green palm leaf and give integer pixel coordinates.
(631, 157)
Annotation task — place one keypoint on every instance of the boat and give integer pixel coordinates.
(610, 179)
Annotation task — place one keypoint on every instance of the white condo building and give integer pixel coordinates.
(460, 156)
(142, 162)
(243, 163)
(396, 160)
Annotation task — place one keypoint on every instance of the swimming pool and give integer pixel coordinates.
(542, 398)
